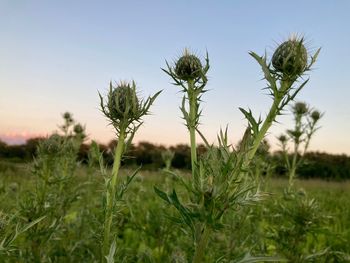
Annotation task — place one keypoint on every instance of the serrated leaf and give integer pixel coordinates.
(266, 70)
(162, 194)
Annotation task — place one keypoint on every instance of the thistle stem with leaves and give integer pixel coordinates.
(124, 110)
(288, 64)
(110, 198)
(191, 76)
(305, 125)
(192, 97)
(270, 118)
(220, 177)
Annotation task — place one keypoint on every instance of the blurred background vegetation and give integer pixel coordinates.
(318, 165)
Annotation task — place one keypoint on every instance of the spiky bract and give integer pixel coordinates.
(123, 107)
(122, 101)
(290, 58)
(300, 108)
(282, 138)
(315, 115)
(188, 67)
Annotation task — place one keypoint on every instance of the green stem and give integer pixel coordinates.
(268, 121)
(111, 192)
(201, 245)
(192, 97)
(296, 149)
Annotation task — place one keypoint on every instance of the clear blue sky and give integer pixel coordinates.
(56, 55)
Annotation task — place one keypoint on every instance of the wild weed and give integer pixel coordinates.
(55, 190)
(305, 126)
(124, 110)
(299, 223)
(220, 180)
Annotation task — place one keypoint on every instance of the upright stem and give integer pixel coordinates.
(201, 245)
(268, 121)
(192, 97)
(296, 149)
(111, 192)
(203, 235)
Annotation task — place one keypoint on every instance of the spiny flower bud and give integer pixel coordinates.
(123, 101)
(123, 107)
(78, 128)
(290, 58)
(282, 138)
(315, 115)
(300, 108)
(79, 131)
(68, 117)
(188, 67)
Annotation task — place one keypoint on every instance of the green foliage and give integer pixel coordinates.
(145, 231)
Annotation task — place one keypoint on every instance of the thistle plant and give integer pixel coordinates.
(10, 231)
(167, 157)
(125, 111)
(220, 180)
(55, 188)
(189, 73)
(289, 63)
(305, 126)
(296, 236)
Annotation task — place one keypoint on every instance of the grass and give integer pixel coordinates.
(146, 235)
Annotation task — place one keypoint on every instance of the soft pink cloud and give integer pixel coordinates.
(19, 137)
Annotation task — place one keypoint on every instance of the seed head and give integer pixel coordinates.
(300, 108)
(290, 58)
(188, 66)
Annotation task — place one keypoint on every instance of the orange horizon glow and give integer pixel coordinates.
(20, 138)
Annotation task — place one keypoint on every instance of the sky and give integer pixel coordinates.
(56, 55)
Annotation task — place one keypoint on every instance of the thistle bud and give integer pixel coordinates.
(78, 129)
(68, 117)
(290, 58)
(282, 139)
(315, 115)
(122, 101)
(300, 108)
(188, 67)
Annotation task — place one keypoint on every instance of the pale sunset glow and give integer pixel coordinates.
(55, 57)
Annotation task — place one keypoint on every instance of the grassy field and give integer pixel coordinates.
(145, 233)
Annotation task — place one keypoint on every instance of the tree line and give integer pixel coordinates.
(151, 156)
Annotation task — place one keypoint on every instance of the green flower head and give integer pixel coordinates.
(188, 66)
(123, 107)
(315, 115)
(123, 102)
(290, 58)
(282, 138)
(300, 108)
